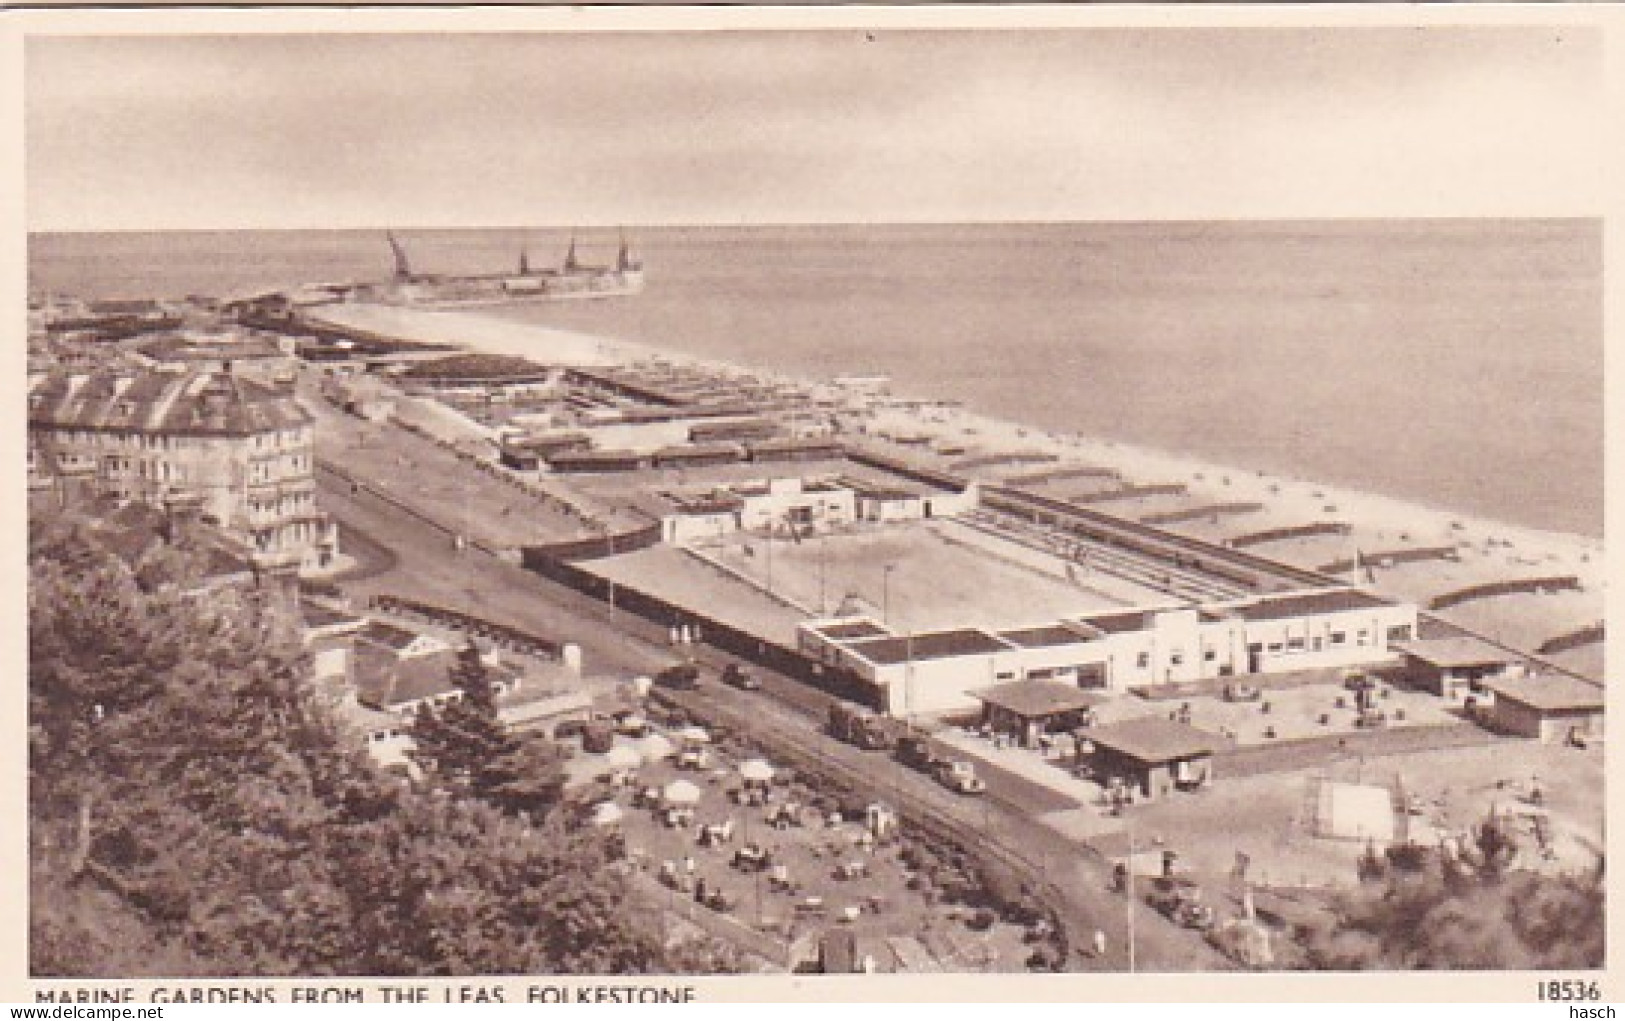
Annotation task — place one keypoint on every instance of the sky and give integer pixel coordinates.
(353, 130)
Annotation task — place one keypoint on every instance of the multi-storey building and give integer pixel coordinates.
(238, 453)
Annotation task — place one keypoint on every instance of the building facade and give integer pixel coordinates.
(238, 452)
(942, 671)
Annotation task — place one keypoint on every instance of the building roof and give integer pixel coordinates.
(929, 645)
(209, 403)
(848, 630)
(543, 442)
(1046, 636)
(1549, 692)
(182, 348)
(706, 451)
(388, 635)
(873, 491)
(794, 443)
(1306, 604)
(320, 615)
(1038, 698)
(599, 457)
(383, 682)
(1153, 739)
(1457, 651)
(1118, 623)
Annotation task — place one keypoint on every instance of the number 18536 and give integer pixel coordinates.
(1569, 990)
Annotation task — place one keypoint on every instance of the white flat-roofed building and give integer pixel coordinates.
(805, 505)
(942, 671)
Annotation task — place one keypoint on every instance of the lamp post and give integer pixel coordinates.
(609, 537)
(823, 604)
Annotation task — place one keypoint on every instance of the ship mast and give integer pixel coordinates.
(624, 261)
(524, 263)
(570, 264)
(403, 270)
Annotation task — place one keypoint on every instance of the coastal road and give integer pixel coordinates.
(785, 714)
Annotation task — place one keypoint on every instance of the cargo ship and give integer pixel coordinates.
(572, 279)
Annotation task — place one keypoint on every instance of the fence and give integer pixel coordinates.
(908, 470)
(1290, 532)
(749, 647)
(1505, 588)
(1587, 635)
(1211, 510)
(1061, 475)
(1299, 753)
(596, 548)
(994, 460)
(1133, 492)
(1385, 558)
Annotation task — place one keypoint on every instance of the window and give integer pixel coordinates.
(1363, 637)
(1294, 645)
(1143, 660)
(1339, 637)
(1275, 646)
(1040, 675)
(1399, 633)
(1176, 657)
(1209, 655)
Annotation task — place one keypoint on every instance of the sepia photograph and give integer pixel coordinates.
(899, 495)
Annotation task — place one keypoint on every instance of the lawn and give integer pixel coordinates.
(389, 460)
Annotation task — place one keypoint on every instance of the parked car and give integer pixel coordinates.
(735, 676)
(858, 725)
(598, 736)
(960, 777)
(914, 751)
(1239, 692)
(567, 729)
(679, 677)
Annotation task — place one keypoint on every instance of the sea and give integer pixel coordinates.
(1453, 363)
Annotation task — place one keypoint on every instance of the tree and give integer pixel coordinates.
(1471, 911)
(194, 811)
(468, 747)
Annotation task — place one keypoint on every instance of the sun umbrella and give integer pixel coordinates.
(694, 735)
(623, 757)
(655, 747)
(605, 813)
(680, 792)
(757, 770)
